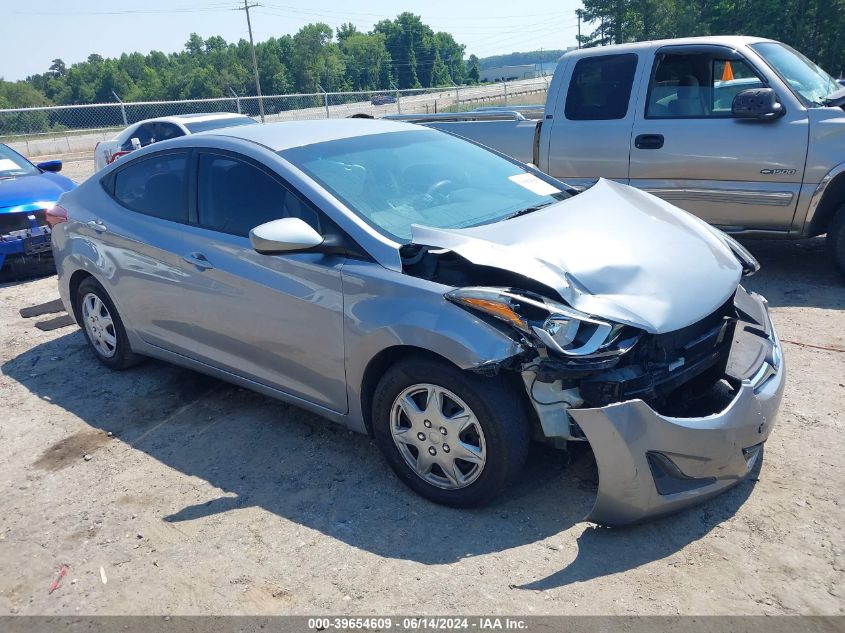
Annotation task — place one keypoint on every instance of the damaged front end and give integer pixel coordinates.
(680, 418)
(637, 335)
(672, 418)
(24, 238)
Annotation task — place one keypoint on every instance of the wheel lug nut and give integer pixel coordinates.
(442, 430)
(446, 448)
(432, 451)
(421, 436)
(427, 424)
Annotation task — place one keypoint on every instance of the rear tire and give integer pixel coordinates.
(836, 239)
(454, 437)
(103, 327)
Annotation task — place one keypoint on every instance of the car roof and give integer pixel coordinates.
(287, 134)
(196, 117)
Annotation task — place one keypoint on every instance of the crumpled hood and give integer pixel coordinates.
(26, 190)
(612, 251)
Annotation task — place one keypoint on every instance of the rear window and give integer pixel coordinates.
(155, 186)
(213, 124)
(600, 88)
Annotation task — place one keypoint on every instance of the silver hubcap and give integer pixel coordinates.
(99, 325)
(438, 436)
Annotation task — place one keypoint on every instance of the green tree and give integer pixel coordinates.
(368, 63)
(317, 61)
(440, 73)
(411, 48)
(472, 75)
(345, 30)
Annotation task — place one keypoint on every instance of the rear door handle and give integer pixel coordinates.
(199, 260)
(648, 141)
(97, 226)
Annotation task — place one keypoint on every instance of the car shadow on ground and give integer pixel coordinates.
(264, 453)
(796, 273)
(13, 273)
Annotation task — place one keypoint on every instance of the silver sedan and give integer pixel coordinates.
(450, 301)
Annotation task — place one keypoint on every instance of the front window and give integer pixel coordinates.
(13, 164)
(395, 180)
(805, 78)
(697, 85)
(213, 124)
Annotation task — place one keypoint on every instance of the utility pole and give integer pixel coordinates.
(246, 8)
(578, 13)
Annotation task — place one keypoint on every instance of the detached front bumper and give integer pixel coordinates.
(650, 464)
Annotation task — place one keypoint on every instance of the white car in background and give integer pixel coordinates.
(149, 131)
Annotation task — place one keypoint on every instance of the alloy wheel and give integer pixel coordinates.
(99, 325)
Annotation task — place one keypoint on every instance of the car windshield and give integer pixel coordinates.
(213, 124)
(808, 80)
(394, 180)
(13, 164)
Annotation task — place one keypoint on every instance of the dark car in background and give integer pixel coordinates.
(382, 99)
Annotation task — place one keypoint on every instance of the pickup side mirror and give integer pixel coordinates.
(50, 165)
(288, 235)
(757, 103)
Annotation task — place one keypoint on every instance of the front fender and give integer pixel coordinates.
(385, 309)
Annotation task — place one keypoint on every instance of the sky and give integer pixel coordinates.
(32, 34)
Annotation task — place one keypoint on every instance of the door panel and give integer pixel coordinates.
(277, 320)
(591, 132)
(741, 174)
(139, 241)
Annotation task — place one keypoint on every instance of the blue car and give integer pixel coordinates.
(27, 191)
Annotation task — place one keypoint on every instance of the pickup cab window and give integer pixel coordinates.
(600, 88)
(697, 85)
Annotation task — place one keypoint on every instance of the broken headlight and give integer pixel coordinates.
(557, 326)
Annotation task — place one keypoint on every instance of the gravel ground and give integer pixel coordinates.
(167, 492)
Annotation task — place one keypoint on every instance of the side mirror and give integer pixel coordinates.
(50, 165)
(288, 235)
(135, 142)
(757, 103)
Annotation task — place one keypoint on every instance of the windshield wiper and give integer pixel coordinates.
(528, 210)
(835, 98)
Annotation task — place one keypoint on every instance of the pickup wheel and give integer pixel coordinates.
(454, 437)
(836, 238)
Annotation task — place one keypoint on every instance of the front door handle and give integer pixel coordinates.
(199, 260)
(648, 141)
(97, 226)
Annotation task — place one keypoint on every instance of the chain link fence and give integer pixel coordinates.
(77, 128)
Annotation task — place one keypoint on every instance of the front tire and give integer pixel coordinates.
(454, 437)
(836, 239)
(103, 327)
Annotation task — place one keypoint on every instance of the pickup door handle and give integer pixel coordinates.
(199, 260)
(648, 141)
(97, 226)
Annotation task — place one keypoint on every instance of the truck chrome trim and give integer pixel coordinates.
(727, 196)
